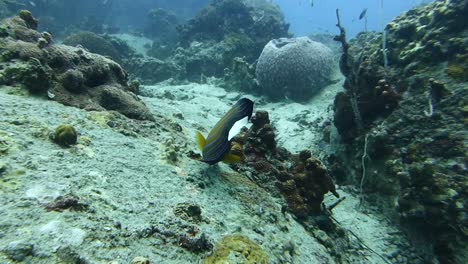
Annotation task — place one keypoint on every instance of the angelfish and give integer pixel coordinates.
(216, 147)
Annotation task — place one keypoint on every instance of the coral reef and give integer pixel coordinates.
(408, 113)
(32, 74)
(371, 91)
(146, 69)
(152, 70)
(210, 45)
(306, 186)
(296, 68)
(200, 59)
(240, 76)
(160, 51)
(93, 43)
(161, 26)
(225, 30)
(302, 180)
(237, 249)
(69, 75)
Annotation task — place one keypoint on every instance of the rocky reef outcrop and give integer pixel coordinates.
(296, 68)
(402, 119)
(146, 69)
(69, 75)
(161, 26)
(223, 40)
(94, 43)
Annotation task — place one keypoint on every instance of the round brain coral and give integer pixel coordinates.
(65, 135)
(294, 67)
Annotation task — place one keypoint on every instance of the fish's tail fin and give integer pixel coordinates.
(201, 141)
(231, 158)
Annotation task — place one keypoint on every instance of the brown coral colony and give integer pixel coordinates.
(303, 184)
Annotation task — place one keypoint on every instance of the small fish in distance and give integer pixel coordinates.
(363, 13)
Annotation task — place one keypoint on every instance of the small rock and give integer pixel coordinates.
(140, 260)
(3, 168)
(188, 211)
(69, 255)
(179, 116)
(42, 43)
(194, 244)
(169, 95)
(18, 251)
(323, 238)
(289, 246)
(26, 15)
(73, 80)
(393, 253)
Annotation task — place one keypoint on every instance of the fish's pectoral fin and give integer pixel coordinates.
(201, 141)
(231, 158)
(237, 127)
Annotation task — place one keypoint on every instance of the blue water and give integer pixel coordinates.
(305, 19)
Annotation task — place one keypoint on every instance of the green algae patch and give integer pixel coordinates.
(457, 72)
(7, 144)
(237, 249)
(101, 118)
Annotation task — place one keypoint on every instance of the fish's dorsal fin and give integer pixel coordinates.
(201, 141)
(237, 127)
(231, 158)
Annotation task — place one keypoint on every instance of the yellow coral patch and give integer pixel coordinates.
(457, 72)
(237, 249)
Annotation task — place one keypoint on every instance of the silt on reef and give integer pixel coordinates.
(302, 180)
